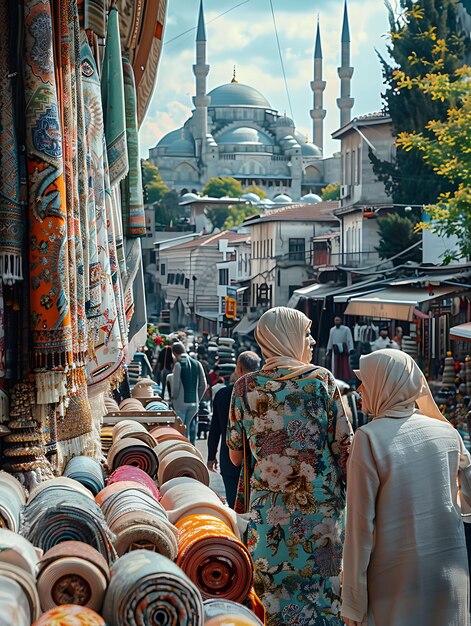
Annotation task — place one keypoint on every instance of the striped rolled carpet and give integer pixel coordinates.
(139, 521)
(87, 472)
(222, 608)
(131, 428)
(130, 451)
(214, 558)
(14, 604)
(72, 573)
(56, 513)
(70, 615)
(148, 589)
(12, 498)
(131, 473)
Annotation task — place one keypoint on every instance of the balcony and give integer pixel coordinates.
(351, 259)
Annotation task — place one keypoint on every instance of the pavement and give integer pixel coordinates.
(216, 482)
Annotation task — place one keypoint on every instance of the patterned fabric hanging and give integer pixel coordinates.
(11, 212)
(114, 111)
(49, 289)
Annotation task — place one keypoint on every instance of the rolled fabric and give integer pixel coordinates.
(111, 405)
(131, 428)
(14, 605)
(72, 573)
(18, 551)
(139, 521)
(143, 389)
(233, 619)
(70, 615)
(174, 445)
(122, 485)
(147, 588)
(131, 473)
(12, 498)
(194, 498)
(214, 558)
(157, 405)
(222, 608)
(87, 472)
(166, 433)
(133, 452)
(131, 404)
(181, 463)
(62, 514)
(106, 438)
(173, 482)
(26, 581)
(62, 483)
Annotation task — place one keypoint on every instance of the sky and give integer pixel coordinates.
(244, 36)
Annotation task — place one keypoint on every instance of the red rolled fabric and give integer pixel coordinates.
(131, 473)
(213, 558)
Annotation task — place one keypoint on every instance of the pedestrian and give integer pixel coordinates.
(339, 348)
(398, 337)
(405, 560)
(383, 341)
(247, 362)
(164, 365)
(214, 375)
(188, 387)
(289, 417)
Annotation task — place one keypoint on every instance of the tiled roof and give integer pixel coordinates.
(213, 240)
(320, 212)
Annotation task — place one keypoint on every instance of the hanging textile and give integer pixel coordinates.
(114, 111)
(134, 220)
(11, 212)
(49, 288)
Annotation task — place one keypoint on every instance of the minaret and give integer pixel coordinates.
(318, 86)
(200, 100)
(345, 72)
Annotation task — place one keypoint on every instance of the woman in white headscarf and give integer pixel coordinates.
(405, 558)
(290, 419)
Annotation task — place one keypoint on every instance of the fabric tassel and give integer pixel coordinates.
(11, 268)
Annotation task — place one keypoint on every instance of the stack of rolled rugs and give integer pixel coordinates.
(155, 546)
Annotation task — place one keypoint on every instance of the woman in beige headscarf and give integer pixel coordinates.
(290, 416)
(405, 560)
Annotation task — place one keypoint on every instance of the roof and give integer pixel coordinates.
(326, 237)
(201, 32)
(210, 241)
(320, 212)
(371, 119)
(237, 94)
(318, 45)
(345, 27)
(461, 332)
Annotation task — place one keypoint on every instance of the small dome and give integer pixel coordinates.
(182, 147)
(311, 198)
(188, 196)
(250, 197)
(282, 199)
(244, 135)
(310, 149)
(173, 136)
(284, 121)
(237, 94)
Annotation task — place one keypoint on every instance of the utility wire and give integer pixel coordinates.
(193, 28)
(281, 58)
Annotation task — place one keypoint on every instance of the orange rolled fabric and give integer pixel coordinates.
(213, 558)
(70, 614)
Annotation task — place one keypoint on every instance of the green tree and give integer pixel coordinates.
(445, 147)
(423, 38)
(254, 189)
(154, 186)
(237, 214)
(331, 192)
(167, 210)
(223, 186)
(396, 234)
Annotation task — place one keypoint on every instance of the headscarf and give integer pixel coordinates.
(282, 335)
(393, 384)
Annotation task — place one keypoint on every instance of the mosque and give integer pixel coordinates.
(234, 131)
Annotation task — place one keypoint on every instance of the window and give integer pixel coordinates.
(162, 269)
(171, 279)
(357, 181)
(354, 165)
(347, 169)
(296, 249)
(224, 276)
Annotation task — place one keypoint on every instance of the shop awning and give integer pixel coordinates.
(463, 331)
(318, 291)
(245, 326)
(394, 304)
(213, 316)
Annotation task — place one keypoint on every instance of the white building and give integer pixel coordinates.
(235, 131)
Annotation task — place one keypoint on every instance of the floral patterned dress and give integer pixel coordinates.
(299, 437)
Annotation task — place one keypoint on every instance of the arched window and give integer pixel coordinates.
(312, 174)
(252, 167)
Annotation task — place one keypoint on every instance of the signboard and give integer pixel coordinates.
(231, 292)
(231, 307)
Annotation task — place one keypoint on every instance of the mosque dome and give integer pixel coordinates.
(282, 199)
(182, 147)
(244, 135)
(311, 198)
(251, 197)
(237, 94)
(310, 149)
(284, 122)
(189, 196)
(173, 136)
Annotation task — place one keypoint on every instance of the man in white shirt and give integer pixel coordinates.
(384, 341)
(339, 347)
